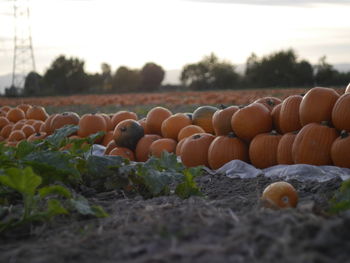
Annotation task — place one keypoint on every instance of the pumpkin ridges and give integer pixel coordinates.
(313, 143)
(122, 115)
(284, 149)
(15, 115)
(188, 131)
(37, 113)
(123, 152)
(275, 114)
(62, 119)
(340, 150)
(263, 149)
(225, 148)
(341, 113)
(90, 124)
(222, 120)
(269, 102)
(289, 114)
(203, 117)
(172, 125)
(127, 133)
(164, 144)
(142, 150)
(317, 105)
(155, 118)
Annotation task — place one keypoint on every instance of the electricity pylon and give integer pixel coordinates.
(23, 56)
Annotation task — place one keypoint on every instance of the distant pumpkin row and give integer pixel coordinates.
(310, 129)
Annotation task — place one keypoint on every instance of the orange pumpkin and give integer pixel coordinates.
(340, 150)
(47, 127)
(251, 120)
(28, 130)
(24, 107)
(127, 133)
(225, 148)
(317, 105)
(155, 118)
(122, 115)
(142, 151)
(17, 135)
(37, 136)
(222, 120)
(289, 115)
(347, 89)
(284, 149)
(203, 117)
(123, 152)
(110, 146)
(62, 119)
(263, 149)
(171, 126)
(341, 113)
(107, 138)
(37, 113)
(194, 150)
(164, 144)
(90, 124)
(3, 122)
(15, 114)
(188, 131)
(313, 143)
(179, 146)
(280, 195)
(269, 102)
(275, 114)
(6, 130)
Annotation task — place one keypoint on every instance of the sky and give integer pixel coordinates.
(173, 33)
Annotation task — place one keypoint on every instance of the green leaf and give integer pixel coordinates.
(99, 211)
(82, 205)
(341, 200)
(189, 186)
(24, 180)
(54, 207)
(24, 148)
(61, 134)
(55, 190)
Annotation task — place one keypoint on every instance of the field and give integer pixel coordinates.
(228, 223)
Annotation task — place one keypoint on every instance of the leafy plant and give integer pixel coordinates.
(341, 200)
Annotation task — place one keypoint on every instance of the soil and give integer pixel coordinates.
(228, 224)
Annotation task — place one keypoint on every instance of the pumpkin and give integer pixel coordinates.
(28, 130)
(251, 120)
(269, 102)
(123, 152)
(127, 133)
(275, 114)
(108, 121)
(90, 124)
(188, 131)
(47, 124)
(317, 105)
(142, 122)
(142, 151)
(164, 144)
(179, 146)
(155, 118)
(172, 125)
(203, 117)
(122, 115)
(313, 143)
(37, 113)
(3, 122)
(194, 150)
(225, 148)
(341, 113)
(347, 89)
(280, 195)
(15, 114)
(110, 146)
(107, 138)
(6, 130)
(18, 125)
(17, 135)
(24, 107)
(263, 149)
(37, 125)
(36, 136)
(284, 149)
(340, 150)
(62, 119)
(222, 120)
(5, 108)
(289, 114)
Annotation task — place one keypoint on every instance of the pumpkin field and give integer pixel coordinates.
(215, 176)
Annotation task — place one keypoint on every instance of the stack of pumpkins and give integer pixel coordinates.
(310, 129)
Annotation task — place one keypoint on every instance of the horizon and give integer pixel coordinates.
(179, 32)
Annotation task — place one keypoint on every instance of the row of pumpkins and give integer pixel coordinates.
(301, 129)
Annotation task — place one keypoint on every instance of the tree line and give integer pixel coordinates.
(67, 76)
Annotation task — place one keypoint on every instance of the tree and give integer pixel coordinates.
(152, 76)
(33, 85)
(209, 73)
(106, 76)
(126, 80)
(66, 76)
(325, 74)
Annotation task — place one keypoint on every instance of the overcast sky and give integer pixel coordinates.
(173, 33)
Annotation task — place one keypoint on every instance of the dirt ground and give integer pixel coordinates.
(227, 225)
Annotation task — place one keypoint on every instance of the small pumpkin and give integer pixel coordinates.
(251, 120)
(37, 136)
(62, 119)
(110, 146)
(222, 120)
(317, 105)
(263, 149)
(122, 115)
(6, 130)
(284, 149)
(269, 102)
(275, 114)
(37, 113)
(90, 124)
(347, 89)
(194, 150)
(24, 107)
(340, 150)
(17, 135)
(3, 122)
(341, 113)
(203, 117)
(172, 125)
(313, 143)
(15, 114)
(142, 151)
(155, 118)
(225, 148)
(289, 114)
(164, 144)
(28, 130)
(179, 146)
(280, 195)
(107, 138)
(188, 131)
(127, 133)
(123, 152)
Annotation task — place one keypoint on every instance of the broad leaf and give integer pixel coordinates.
(55, 190)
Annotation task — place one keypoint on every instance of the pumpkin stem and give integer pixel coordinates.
(231, 135)
(270, 102)
(38, 134)
(325, 123)
(273, 132)
(344, 134)
(196, 136)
